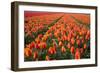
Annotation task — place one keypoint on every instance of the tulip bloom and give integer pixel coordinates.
(72, 50)
(47, 58)
(63, 49)
(77, 54)
(27, 52)
(35, 55)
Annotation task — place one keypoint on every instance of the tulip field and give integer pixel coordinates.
(56, 36)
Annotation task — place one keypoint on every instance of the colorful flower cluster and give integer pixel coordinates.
(57, 36)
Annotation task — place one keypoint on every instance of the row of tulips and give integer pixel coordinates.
(66, 38)
(34, 24)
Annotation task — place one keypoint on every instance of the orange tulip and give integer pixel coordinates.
(35, 55)
(82, 40)
(37, 40)
(72, 41)
(77, 37)
(52, 50)
(68, 45)
(85, 46)
(63, 49)
(68, 38)
(47, 58)
(88, 32)
(65, 37)
(60, 43)
(80, 33)
(27, 52)
(78, 42)
(42, 45)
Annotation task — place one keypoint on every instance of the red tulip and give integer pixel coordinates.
(40, 36)
(32, 45)
(72, 50)
(77, 54)
(37, 46)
